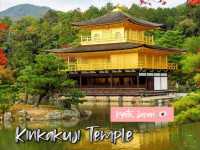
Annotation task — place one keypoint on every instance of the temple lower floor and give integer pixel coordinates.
(135, 80)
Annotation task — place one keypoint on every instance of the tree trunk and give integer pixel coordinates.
(26, 98)
(26, 95)
(39, 100)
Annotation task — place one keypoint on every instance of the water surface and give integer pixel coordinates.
(149, 136)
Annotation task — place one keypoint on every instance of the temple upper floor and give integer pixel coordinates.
(116, 27)
(116, 35)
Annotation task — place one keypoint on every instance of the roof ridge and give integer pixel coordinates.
(116, 16)
(138, 19)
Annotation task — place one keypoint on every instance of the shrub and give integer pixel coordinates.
(187, 102)
(190, 115)
(4, 108)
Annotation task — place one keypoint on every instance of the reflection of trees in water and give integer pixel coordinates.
(158, 140)
(149, 136)
(7, 142)
(185, 137)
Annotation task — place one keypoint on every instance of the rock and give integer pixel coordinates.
(23, 115)
(7, 116)
(71, 113)
(45, 118)
(56, 115)
(28, 117)
(86, 113)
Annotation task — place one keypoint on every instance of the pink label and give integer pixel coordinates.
(142, 114)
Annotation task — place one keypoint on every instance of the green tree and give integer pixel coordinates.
(92, 12)
(192, 44)
(170, 39)
(107, 8)
(24, 42)
(6, 20)
(45, 78)
(51, 17)
(191, 65)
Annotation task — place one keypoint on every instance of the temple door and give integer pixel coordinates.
(150, 83)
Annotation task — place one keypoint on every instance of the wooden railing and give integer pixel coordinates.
(172, 66)
(136, 37)
(169, 66)
(89, 40)
(113, 91)
(124, 92)
(110, 66)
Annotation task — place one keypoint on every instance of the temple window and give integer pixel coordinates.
(118, 35)
(96, 36)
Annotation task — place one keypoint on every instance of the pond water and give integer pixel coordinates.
(148, 136)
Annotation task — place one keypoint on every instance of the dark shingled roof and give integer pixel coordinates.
(107, 47)
(116, 17)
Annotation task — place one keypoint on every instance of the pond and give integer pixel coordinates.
(148, 136)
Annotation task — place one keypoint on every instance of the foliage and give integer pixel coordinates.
(6, 75)
(191, 62)
(188, 116)
(171, 38)
(3, 59)
(186, 102)
(193, 2)
(8, 94)
(29, 36)
(192, 44)
(4, 108)
(26, 39)
(72, 97)
(45, 80)
(188, 26)
(191, 66)
(187, 109)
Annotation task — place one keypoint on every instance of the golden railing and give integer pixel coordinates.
(110, 66)
(136, 37)
(89, 40)
(172, 66)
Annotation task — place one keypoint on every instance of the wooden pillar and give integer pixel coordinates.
(146, 82)
(131, 81)
(111, 79)
(92, 81)
(138, 81)
(80, 80)
(88, 82)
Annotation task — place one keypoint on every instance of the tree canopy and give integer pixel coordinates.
(44, 80)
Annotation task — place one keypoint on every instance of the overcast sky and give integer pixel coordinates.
(66, 5)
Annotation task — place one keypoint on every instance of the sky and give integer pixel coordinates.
(65, 5)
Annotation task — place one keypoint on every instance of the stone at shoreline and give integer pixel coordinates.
(56, 115)
(86, 114)
(47, 114)
(71, 113)
(39, 119)
(23, 115)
